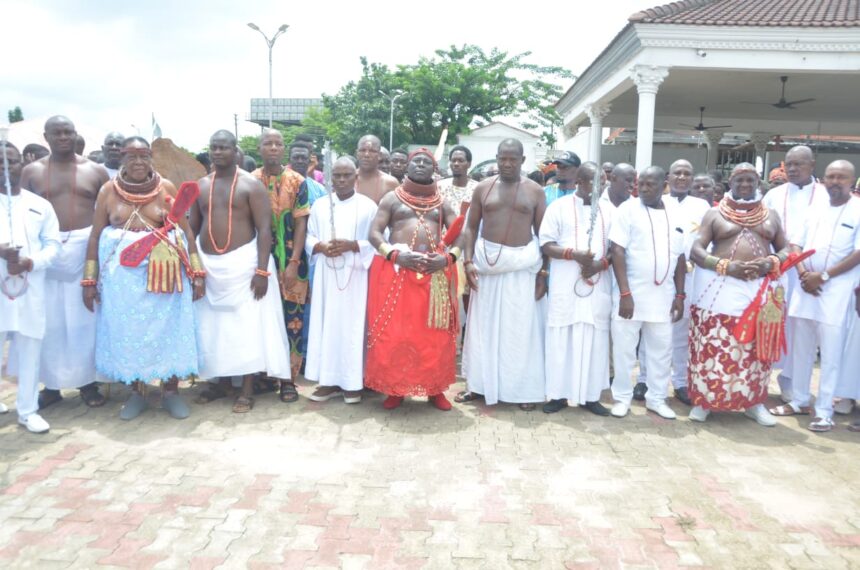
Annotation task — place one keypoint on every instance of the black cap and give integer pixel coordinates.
(568, 159)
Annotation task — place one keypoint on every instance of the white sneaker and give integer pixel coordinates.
(34, 423)
(662, 409)
(3, 408)
(760, 414)
(699, 414)
(620, 409)
(842, 407)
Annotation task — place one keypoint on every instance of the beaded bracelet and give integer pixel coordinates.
(262, 273)
(292, 261)
(626, 294)
(567, 254)
(88, 282)
(605, 262)
(680, 295)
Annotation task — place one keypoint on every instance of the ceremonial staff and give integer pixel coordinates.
(595, 208)
(4, 137)
(327, 182)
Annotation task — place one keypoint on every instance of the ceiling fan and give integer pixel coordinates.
(701, 127)
(782, 103)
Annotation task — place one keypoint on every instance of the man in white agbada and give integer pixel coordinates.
(240, 321)
(338, 247)
(848, 387)
(580, 297)
(71, 184)
(795, 201)
(26, 250)
(821, 306)
(691, 211)
(503, 354)
(648, 260)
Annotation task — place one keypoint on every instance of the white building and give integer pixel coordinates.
(729, 57)
(484, 141)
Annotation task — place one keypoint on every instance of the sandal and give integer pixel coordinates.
(467, 396)
(210, 394)
(243, 405)
(264, 385)
(527, 407)
(821, 425)
(855, 427)
(288, 392)
(790, 410)
(49, 398)
(91, 396)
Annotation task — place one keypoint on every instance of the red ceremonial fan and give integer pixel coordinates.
(763, 320)
(454, 231)
(134, 254)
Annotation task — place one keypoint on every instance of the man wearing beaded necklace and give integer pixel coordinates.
(649, 264)
(241, 328)
(372, 182)
(727, 374)
(70, 183)
(691, 210)
(580, 299)
(412, 307)
(339, 249)
(289, 196)
(821, 306)
(800, 198)
(31, 247)
(145, 328)
(503, 353)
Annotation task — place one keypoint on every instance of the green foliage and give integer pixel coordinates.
(15, 115)
(457, 87)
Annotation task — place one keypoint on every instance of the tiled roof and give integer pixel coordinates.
(776, 13)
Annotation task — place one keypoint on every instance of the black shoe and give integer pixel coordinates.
(682, 396)
(596, 408)
(639, 391)
(554, 406)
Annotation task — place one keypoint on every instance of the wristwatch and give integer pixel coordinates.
(825, 276)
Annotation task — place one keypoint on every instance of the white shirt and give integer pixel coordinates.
(693, 211)
(653, 239)
(794, 204)
(566, 223)
(834, 234)
(37, 231)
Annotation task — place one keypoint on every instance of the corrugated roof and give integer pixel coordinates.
(796, 13)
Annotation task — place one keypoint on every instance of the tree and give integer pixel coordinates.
(457, 87)
(15, 115)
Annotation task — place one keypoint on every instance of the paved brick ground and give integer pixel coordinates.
(312, 485)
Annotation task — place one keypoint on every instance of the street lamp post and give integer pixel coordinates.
(271, 44)
(391, 121)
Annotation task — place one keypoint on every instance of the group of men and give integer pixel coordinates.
(248, 279)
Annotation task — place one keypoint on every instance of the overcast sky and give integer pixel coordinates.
(109, 65)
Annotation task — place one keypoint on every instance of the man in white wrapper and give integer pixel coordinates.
(821, 306)
(580, 298)
(338, 247)
(649, 265)
(503, 354)
(27, 248)
(71, 183)
(241, 328)
(795, 201)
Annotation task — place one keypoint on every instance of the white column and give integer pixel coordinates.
(760, 141)
(647, 79)
(596, 112)
(713, 139)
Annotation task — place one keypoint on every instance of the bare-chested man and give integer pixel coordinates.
(240, 321)
(145, 321)
(372, 182)
(503, 354)
(71, 184)
(412, 309)
(726, 374)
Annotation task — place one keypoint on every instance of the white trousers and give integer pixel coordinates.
(786, 364)
(625, 337)
(808, 336)
(680, 355)
(27, 352)
(577, 363)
